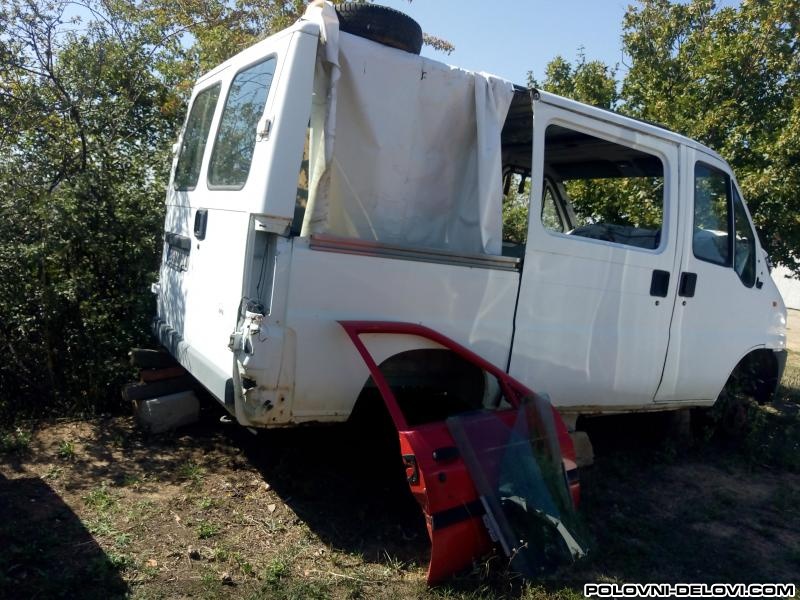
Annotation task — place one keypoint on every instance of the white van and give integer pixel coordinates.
(324, 176)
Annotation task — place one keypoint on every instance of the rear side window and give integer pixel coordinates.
(194, 138)
(712, 219)
(236, 135)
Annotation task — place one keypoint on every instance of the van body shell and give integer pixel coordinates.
(573, 317)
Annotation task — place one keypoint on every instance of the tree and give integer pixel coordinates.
(83, 155)
(592, 82)
(731, 79)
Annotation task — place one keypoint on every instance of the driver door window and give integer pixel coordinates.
(744, 252)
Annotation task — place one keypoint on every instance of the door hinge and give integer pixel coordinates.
(264, 130)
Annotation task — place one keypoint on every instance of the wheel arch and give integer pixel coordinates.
(757, 374)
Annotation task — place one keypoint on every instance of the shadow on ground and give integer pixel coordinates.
(347, 483)
(46, 550)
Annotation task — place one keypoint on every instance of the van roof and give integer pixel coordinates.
(616, 118)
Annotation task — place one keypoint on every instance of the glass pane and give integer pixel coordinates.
(517, 469)
(711, 241)
(236, 136)
(744, 258)
(616, 192)
(194, 138)
(550, 217)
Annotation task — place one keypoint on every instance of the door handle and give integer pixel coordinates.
(200, 222)
(687, 284)
(659, 284)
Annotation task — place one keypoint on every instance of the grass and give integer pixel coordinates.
(66, 450)
(206, 529)
(15, 442)
(206, 503)
(192, 473)
(100, 499)
(276, 570)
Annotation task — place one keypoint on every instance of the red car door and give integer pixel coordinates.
(481, 476)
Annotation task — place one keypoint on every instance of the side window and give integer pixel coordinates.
(194, 138)
(616, 192)
(712, 222)
(551, 218)
(236, 135)
(744, 253)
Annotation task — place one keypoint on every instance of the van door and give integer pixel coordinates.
(722, 311)
(219, 180)
(598, 283)
(501, 469)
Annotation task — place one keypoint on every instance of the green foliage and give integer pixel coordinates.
(100, 499)
(592, 82)
(15, 442)
(83, 157)
(90, 101)
(276, 570)
(728, 77)
(66, 450)
(206, 529)
(636, 201)
(515, 212)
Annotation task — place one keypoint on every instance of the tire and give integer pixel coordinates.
(380, 24)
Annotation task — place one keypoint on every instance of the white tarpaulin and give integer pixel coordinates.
(404, 149)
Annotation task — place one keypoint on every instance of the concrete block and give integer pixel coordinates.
(164, 413)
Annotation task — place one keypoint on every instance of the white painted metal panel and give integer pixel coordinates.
(712, 331)
(473, 306)
(588, 332)
(201, 302)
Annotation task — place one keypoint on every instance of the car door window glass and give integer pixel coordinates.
(744, 256)
(236, 135)
(194, 139)
(711, 237)
(616, 192)
(551, 218)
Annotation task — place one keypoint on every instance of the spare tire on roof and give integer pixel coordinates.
(380, 24)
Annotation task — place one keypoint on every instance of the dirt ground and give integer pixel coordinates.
(100, 509)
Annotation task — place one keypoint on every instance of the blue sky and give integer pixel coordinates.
(511, 37)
